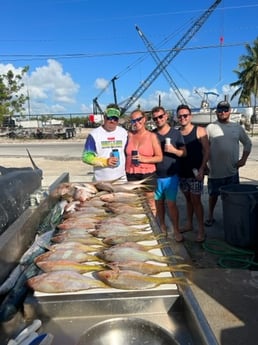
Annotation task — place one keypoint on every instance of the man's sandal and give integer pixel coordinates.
(209, 222)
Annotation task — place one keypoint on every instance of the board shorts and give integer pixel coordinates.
(191, 185)
(167, 188)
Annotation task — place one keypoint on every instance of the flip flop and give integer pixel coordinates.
(209, 222)
(185, 230)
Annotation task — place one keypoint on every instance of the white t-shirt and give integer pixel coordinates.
(106, 141)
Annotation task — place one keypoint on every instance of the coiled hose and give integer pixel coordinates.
(230, 256)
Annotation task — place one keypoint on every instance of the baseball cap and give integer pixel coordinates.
(223, 104)
(112, 112)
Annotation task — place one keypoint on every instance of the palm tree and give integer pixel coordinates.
(247, 82)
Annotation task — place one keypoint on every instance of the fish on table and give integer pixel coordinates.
(124, 219)
(147, 267)
(69, 223)
(140, 246)
(114, 186)
(87, 211)
(90, 240)
(124, 209)
(68, 265)
(76, 246)
(124, 254)
(115, 229)
(63, 281)
(66, 254)
(74, 191)
(133, 237)
(132, 280)
(122, 197)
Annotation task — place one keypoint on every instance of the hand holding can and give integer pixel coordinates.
(167, 142)
(195, 172)
(134, 154)
(115, 153)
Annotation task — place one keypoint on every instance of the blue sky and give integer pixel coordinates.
(75, 47)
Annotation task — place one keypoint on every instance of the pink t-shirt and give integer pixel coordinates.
(145, 148)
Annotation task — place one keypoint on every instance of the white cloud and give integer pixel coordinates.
(52, 90)
(51, 84)
(101, 83)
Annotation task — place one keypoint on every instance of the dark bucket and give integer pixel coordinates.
(240, 214)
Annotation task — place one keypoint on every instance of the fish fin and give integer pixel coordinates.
(32, 161)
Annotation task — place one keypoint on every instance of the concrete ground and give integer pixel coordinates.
(228, 296)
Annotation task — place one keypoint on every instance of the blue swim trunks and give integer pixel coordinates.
(167, 188)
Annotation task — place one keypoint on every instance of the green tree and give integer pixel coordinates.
(247, 73)
(12, 100)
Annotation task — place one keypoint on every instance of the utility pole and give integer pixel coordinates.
(114, 88)
(28, 95)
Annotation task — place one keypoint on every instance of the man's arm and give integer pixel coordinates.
(203, 137)
(90, 156)
(247, 147)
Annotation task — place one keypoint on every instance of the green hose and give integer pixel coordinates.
(229, 256)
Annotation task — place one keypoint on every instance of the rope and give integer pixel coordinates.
(230, 256)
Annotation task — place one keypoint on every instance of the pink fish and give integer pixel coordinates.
(63, 281)
(66, 254)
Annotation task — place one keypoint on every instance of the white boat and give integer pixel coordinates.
(206, 115)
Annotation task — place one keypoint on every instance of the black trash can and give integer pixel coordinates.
(240, 214)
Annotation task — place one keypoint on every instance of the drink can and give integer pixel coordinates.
(167, 141)
(195, 172)
(134, 160)
(115, 153)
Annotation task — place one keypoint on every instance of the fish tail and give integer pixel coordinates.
(161, 236)
(89, 268)
(94, 258)
(178, 268)
(170, 259)
(32, 161)
(170, 280)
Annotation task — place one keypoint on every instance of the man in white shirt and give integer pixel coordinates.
(100, 144)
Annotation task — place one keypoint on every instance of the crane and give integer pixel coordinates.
(170, 56)
(158, 61)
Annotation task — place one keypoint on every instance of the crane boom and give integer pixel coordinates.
(158, 61)
(170, 56)
(96, 107)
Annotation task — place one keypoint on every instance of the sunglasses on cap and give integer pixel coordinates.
(138, 119)
(183, 116)
(159, 117)
(112, 118)
(223, 110)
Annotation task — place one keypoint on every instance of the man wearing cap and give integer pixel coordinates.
(99, 146)
(224, 162)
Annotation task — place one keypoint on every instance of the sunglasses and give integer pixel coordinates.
(183, 116)
(158, 117)
(112, 118)
(133, 121)
(223, 110)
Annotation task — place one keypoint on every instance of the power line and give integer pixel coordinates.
(19, 57)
